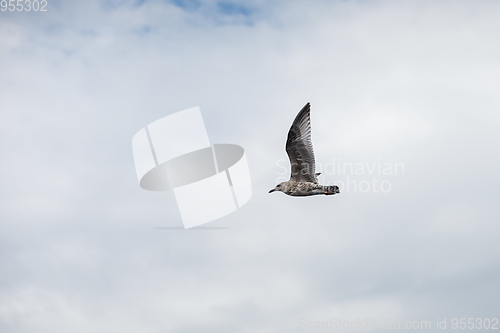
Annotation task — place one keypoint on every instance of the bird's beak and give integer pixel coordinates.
(272, 190)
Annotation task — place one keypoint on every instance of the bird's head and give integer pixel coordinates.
(279, 187)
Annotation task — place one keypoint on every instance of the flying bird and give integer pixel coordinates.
(303, 179)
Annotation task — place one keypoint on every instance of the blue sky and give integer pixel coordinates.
(412, 82)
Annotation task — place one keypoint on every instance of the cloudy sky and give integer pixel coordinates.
(413, 84)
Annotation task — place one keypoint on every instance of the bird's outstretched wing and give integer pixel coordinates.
(299, 147)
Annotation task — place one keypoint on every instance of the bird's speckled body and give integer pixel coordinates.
(302, 189)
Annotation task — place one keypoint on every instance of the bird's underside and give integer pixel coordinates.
(303, 189)
(303, 181)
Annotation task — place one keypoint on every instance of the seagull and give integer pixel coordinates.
(303, 179)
